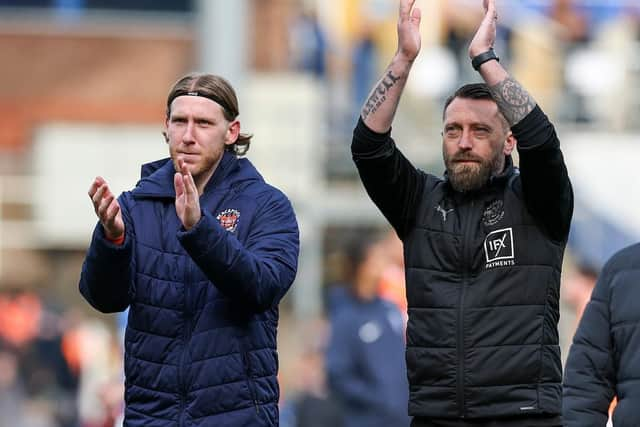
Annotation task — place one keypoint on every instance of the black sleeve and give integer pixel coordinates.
(391, 181)
(545, 182)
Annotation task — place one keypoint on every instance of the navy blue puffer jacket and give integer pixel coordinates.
(200, 344)
(604, 360)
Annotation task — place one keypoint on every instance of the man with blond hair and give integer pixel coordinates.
(201, 251)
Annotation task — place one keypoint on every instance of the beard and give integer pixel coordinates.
(471, 176)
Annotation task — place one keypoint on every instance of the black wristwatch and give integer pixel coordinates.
(478, 60)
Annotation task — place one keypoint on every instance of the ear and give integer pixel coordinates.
(165, 132)
(233, 132)
(509, 144)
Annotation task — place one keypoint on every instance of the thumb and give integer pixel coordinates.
(416, 14)
(490, 8)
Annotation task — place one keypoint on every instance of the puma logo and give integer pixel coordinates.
(443, 212)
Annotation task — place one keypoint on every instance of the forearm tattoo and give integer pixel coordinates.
(379, 94)
(513, 100)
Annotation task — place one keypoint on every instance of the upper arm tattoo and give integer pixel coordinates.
(513, 100)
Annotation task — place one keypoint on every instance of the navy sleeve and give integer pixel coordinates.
(545, 181)
(391, 181)
(589, 384)
(106, 277)
(258, 273)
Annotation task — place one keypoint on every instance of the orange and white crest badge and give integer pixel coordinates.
(229, 219)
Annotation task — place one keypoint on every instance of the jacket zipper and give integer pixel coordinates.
(186, 337)
(466, 266)
(252, 388)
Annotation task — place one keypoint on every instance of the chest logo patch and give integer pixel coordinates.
(499, 249)
(493, 213)
(229, 219)
(444, 212)
(369, 332)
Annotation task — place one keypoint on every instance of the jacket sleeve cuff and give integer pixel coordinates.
(201, 233)
(368, 143)
(363, 132)
(108, 248)
(533, 130)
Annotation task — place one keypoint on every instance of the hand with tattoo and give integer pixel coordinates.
(380, 106)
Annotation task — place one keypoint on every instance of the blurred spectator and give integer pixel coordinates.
(578, 286)
(460, 23)
(39, 384)
(364, 61)
(20, 313)
(11, 392)
(99, 355)
(308, 44)
(311, 405)
(392, 281)
(365, 356)
(574, 24)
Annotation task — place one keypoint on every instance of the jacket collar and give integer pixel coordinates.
(157, 177)
(508, 171)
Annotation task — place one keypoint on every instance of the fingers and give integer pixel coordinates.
(190, 188)
(490, 9)
(416, 15)
(108, 210)
(99, 192)
(103, 206)
(178, 184)
(405, 8)
(113, 210)
(188, 183)
(97, 182)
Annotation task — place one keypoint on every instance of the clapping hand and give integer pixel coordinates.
(107, 208)
(408, 30)
(485, 36)
(187, 197)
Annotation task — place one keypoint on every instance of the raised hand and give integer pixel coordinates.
(187, 198)
(409, 30)
(485, 36)
(107, 208)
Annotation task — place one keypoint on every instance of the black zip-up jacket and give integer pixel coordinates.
(483, 277)
(604, 360)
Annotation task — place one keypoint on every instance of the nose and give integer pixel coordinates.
(187, 136)
(465, 142)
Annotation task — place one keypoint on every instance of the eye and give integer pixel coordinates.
(204, 123)
(451, 132)
(481, 132)
(178, 120)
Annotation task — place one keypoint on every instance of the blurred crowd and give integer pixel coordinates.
(578, 57)
(57, 368)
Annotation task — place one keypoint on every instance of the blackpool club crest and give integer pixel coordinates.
(229, 219)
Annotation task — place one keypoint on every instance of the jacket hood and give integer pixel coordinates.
(157, 177)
